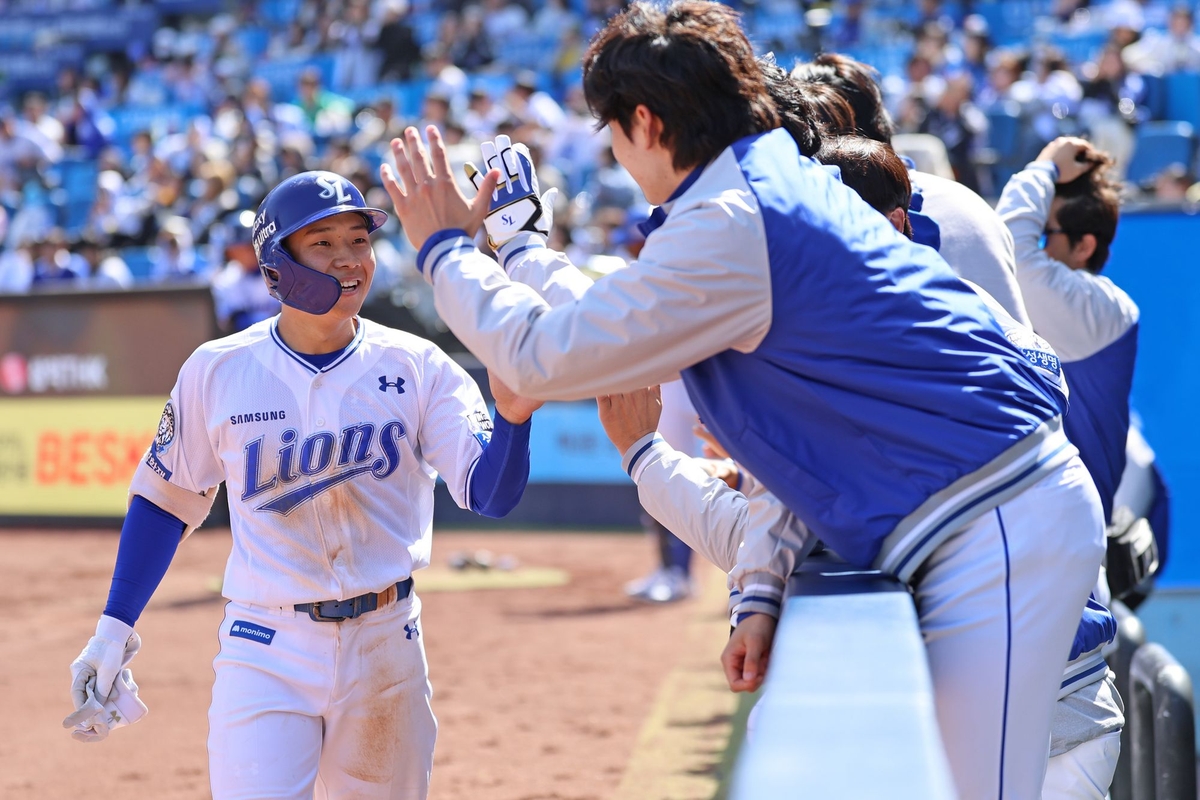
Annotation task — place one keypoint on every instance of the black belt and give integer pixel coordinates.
(338, 610)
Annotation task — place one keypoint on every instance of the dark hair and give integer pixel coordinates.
(859, 84)
(1091, 204)
(873, 170)
(796, 113)
(691, 65)
(833, 112)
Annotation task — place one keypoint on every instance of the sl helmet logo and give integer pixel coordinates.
(411, 631)
(333, 186)
(384, 383)
(506, 219)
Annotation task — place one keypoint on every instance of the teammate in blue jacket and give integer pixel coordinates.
(850, 370)
(329, 432)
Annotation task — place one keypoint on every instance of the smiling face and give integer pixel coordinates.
(339, 246)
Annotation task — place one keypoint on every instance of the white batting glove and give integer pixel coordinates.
(516, 205)
(122, 708)
(95, 670)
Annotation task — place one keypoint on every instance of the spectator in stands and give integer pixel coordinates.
(998, 93)
(22, 149)
(472, 49)
(502, 19)
(53, 264)
(532, 106)
(116, 216)
(16, 260)
(553, 20)
(1053, 90)
(397, 44)
(325, 112)
(1176, 50)
(483, 115)
(448, 79)
(961, 126)
(101, 267)
(51, 131)
(352, 36)
(240, 294)
(1113, 104)
(174, 254)
(217, 197)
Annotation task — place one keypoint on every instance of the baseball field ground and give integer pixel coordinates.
(548, 682)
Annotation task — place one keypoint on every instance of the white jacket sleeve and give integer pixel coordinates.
(526, 259)
(702, 286)
(751, 536)
(1077, 312)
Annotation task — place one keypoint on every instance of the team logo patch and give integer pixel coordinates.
(166, 429)
(248, 630)
(481, 427)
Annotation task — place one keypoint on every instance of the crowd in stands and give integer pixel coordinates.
(136, 139)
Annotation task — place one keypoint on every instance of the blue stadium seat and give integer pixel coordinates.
(1156, 95)
(254, 40)
(494, 85)
(284, 74)
(1158, 146)
(1183, 97)
(138, 261)
(1080, 48)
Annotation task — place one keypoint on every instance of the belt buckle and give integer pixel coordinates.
(314, 613)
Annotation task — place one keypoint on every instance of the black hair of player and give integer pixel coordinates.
(796, 114)
(691, 65)
(859, 84)
(1091, 204)
(873, 170)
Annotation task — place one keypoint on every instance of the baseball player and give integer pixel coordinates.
(847, 368)
(329, 432)
(947, 216)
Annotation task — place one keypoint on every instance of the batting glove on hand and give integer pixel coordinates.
(122, 708)
(95, 670)
(516, 205)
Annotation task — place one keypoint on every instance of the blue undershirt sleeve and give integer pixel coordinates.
(503, 470)
(149, 539)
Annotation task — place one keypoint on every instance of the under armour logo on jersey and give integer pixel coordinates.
(410, 631)
(384, 383)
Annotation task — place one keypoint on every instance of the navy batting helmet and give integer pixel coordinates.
(298, 201)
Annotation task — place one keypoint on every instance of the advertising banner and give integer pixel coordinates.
(83, 379)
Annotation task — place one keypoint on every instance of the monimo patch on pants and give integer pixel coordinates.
(248, 630)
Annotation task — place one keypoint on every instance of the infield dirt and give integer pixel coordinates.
(540, 693)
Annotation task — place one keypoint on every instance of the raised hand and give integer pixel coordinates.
(424, 192)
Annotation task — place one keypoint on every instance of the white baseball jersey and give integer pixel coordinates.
(330, 472)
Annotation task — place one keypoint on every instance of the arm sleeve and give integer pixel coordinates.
(180, 471)
(1079, 313)
(751, 536)
(499, 478)
(149, 538)
(701, 286)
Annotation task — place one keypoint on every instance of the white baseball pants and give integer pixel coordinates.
(999, 602)
(1083, 772)
(325, 709)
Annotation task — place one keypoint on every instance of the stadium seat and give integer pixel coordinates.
(139, 262)
(1183, 97)
(1156, 95)
(1158, 146)
(927, 151)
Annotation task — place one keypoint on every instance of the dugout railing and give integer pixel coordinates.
(847, 709)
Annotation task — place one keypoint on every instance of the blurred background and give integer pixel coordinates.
(138, 138)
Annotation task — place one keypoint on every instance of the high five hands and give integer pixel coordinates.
(425, 192)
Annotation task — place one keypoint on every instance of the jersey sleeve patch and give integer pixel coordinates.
(480, 425)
